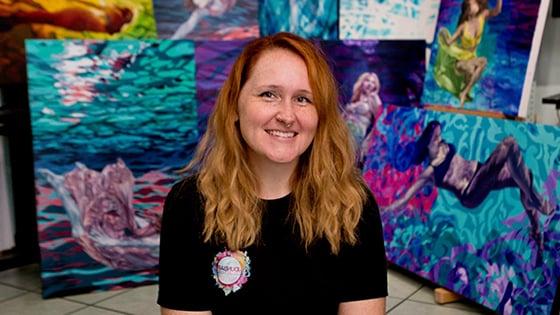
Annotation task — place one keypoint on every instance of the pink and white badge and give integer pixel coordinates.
(231, 270)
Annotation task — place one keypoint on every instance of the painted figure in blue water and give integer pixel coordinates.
(458, 67)
(201, 9)
(104, 221)
(472, 181)
(362, 110)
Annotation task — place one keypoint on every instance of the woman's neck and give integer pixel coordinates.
(274, 179)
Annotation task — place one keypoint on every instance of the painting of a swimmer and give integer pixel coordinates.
(471, 181)
(484, 55)
(206, 19)
(470, 203)
(105, 147)
(458, 52)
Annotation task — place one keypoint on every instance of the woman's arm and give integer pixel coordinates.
(496, 10)
(166, 311)
(363, 307)
(455, 36)
(425, 177)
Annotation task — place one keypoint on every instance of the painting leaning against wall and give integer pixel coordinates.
(112, 121)
(207, 20)
(471, 204)
(110, 19)
(313, 19)
(484, 54)
(393, 19)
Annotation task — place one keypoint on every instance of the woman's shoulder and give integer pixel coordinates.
(184, 191)
(184, 185)
(184, 200)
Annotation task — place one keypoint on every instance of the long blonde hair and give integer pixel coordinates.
(327, 189)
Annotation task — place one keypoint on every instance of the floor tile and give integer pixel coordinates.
(7, 292)
(425, 294)
(140, 300)
(401, 286)
(32, 304)
(418, 308)
(95, 297)
(392, 302)
(92, 310)
(26, 277)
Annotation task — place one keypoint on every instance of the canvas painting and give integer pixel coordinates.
(471, 204)
(112, 121)
(484, 55)
(214, 60)
(109, 19)
(313, 19)
(372, 74)
(207, 20)
(393, 19)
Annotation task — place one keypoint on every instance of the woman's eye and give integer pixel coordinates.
(303, 100)
(267, 94)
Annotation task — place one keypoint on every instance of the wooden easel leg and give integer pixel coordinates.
(443, 296)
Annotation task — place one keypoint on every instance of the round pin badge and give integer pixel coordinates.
(231, 270)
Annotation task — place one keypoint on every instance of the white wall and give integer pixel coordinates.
(7, 224)
(547, 74)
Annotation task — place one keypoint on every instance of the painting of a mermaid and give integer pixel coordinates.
(458, 67)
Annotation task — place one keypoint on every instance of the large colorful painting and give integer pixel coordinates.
(207, 20)
(372, 74)
(316, 19)
(112, 121)
(484, 54)
(471, 204)
(108, 19)
(393, 19)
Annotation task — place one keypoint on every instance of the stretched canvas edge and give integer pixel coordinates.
(533, 58)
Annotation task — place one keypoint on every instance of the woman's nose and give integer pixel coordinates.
(286, 114)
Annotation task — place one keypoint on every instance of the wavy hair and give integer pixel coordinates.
(356, 88)
(465, 10)
(327, 189)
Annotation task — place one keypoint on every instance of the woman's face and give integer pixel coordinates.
(277, 117)
(370, 84)
(474, 7)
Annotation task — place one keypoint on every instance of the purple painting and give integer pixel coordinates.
(470, 203)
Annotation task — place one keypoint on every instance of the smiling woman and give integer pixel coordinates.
(275, 218)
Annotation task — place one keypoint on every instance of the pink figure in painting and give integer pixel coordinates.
(201, 9)
(103, 218)
(362, 110)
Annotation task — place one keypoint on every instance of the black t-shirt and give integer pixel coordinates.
(282, 277)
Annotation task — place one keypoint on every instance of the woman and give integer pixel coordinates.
(362, 110)
(472, 181)
(201, 9)
(460, 57)
(276, 219)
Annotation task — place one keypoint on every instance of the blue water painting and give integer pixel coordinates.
(313, 19)
(393, 19)
(112, 122)
(470, 203)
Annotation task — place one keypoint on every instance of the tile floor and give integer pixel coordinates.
(20, 293)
